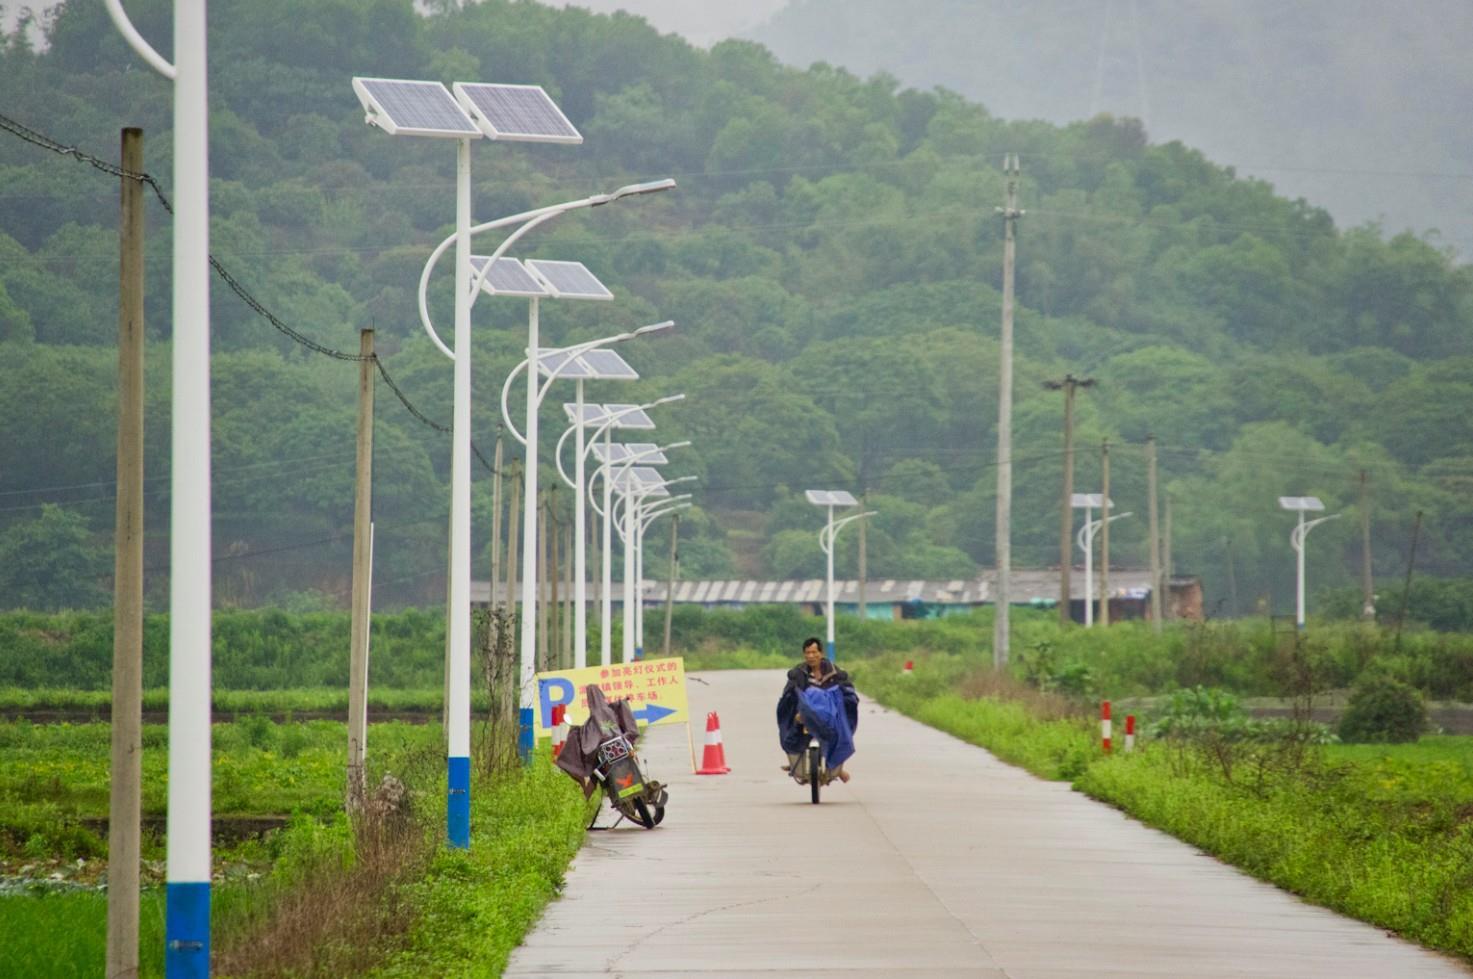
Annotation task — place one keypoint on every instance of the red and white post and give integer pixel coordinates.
(1129, 732)
(1105, 725)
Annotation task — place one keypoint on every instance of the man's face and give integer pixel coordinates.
(812, 654)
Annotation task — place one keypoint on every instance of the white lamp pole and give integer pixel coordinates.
(826, 539)
(642, 522)
(1301, 505)
(187, 914)
(1086, 541)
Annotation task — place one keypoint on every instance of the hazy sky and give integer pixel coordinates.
(701, 21)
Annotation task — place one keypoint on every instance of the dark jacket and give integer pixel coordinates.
(579, 756)
(789, 733)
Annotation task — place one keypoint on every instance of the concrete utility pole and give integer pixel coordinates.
(1104, 616)
(1066, 518)
(362, 576)
(1004, 542)
(513, 536)
(1167, 565)
(542, 616)
(863, 564)
(124, 812)
(1232, 579)
(1368, 595)
(569, 598)
(674, 577)
(492, 602)
(1154, 544)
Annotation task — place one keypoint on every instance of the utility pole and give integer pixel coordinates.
(1368, 596)
(492, 602)
(674, 577)
(1406, 588)
(569, 598)
(1154, 544)
(1004, 542)
(362, 573)
(1232, 579)
(1066, 511)
(539, 550)
(513, 537)
(1104, 616)
(863, 563)
(1167, 566)
(124, 811)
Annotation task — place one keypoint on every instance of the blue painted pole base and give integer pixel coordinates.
(638, 653)
(526, 735)
(458, 805)
(187, 930)
(830, 650)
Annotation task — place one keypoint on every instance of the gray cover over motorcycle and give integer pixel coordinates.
(605, 720)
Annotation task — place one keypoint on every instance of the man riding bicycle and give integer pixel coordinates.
(832, 704)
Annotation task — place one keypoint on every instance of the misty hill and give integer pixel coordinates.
(1360, 106)
(832, 259)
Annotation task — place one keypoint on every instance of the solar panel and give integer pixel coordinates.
(606, 365)
(645, 453)
(1311, 503)
(561, 364)
(631, 416)
(1088, 500)
(524, 113)
(830, 498)
(592, 414)
(617, 452)
(508, 278)
(642, 480)
(569, 280)
(413, 108)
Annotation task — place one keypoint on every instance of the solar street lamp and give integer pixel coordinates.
(187, 918)
(580, 362)
(607, 418)
(634, 483)
(1086, 541)
(643, 514)
(519, 113)
(1302, 505)
(830, 499)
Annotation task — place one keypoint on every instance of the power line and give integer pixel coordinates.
(40, 139)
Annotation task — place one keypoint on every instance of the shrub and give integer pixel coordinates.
(1383, 709)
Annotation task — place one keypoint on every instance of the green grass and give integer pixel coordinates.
(310, 699)
(474, 906)
(1383, 833)
(32, 926)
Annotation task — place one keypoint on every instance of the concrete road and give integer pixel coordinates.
(936, 860)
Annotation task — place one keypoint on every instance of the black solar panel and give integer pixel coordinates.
(606, 365)
(423, 108)
(508, 278)
(517, 112)
(569, 280)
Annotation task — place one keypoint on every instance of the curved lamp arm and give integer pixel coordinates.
(136, 42)
(532, 219)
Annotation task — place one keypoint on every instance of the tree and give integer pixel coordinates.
(51, 562)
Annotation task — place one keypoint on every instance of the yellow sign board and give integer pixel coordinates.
(655, 689)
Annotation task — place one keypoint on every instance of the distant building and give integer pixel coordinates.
(891, 598)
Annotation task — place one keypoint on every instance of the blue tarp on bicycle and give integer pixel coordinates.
(829, 708)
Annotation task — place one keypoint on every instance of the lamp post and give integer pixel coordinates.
(609, 417)
(571, 362)
(643, 516)
(1086, 541)
(187, 914)
(502, 112)
(830, 499)
(1302, 505)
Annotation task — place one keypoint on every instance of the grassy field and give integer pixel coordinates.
(1383, 833)
(312, 898)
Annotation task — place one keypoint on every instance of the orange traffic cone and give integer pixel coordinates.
(559, 730)
(908, 669)
(713, 761)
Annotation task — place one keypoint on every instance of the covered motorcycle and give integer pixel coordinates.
(599, 753)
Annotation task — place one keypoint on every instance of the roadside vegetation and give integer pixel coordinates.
(1382, 832)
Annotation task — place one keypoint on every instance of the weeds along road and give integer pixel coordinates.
(936, 860)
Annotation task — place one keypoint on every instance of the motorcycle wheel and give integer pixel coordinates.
(642, 814)
(659, 815)
(813, 772)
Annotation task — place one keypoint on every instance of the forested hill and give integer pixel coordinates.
(832, 258)
(1357, 106)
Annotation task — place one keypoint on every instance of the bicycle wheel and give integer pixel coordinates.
(813, 771)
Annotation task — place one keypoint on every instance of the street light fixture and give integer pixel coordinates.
(830, 499)
(1302, 505)
(1086, 541)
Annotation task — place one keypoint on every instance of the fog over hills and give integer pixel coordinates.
(1360, 106)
